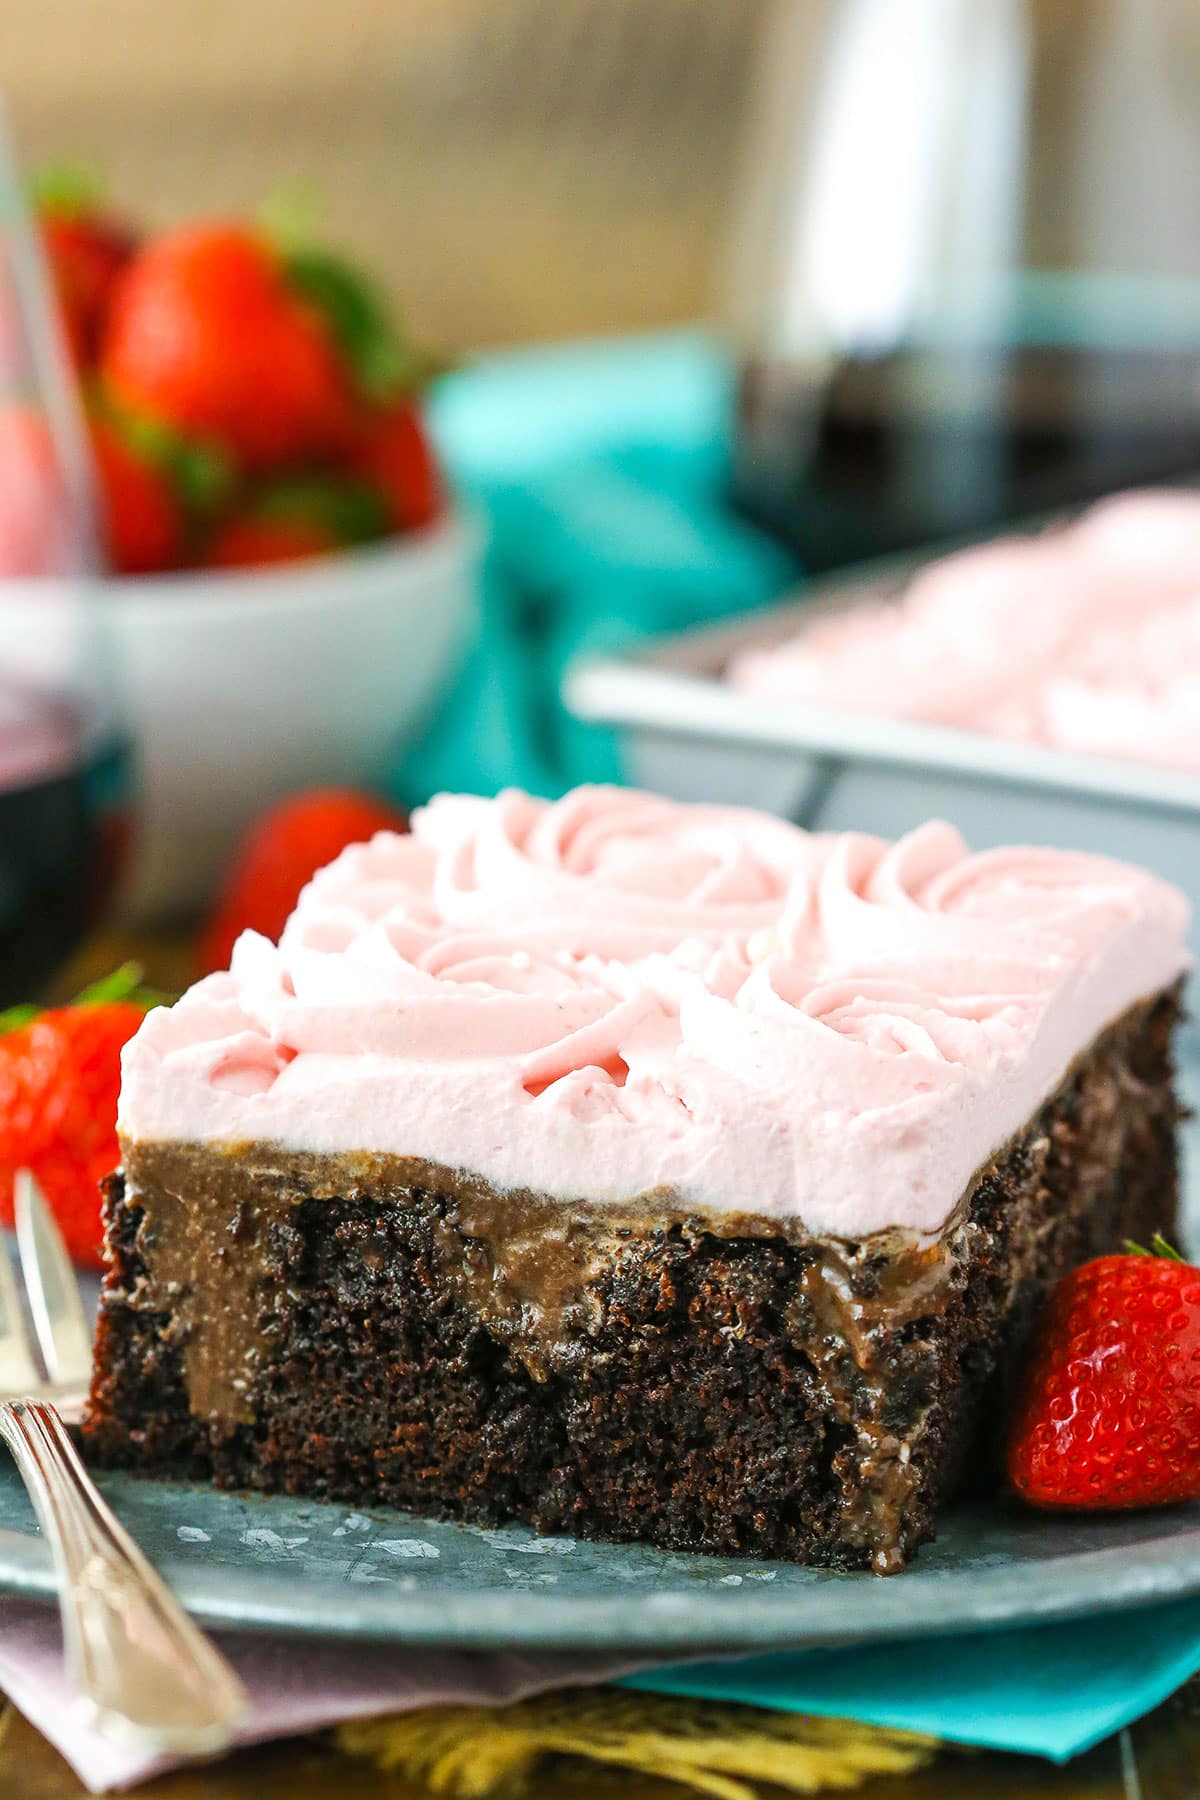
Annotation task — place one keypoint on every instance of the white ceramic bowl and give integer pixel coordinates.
(244, 686)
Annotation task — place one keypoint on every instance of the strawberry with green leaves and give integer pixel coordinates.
(1108, 1415)
(142, 518)
(389, 452)
(284, 521)
(255, 404)
(273, 354)
(87, 246)
(254, 540)
(60, 1076)
(206, 335)
(393, 457)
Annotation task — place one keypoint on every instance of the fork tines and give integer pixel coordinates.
(60, 1326)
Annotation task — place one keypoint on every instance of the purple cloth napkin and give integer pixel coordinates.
(295, 1685)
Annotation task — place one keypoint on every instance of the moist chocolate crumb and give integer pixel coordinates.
(383, 1332)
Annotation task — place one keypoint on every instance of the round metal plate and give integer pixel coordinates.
(255, 1563)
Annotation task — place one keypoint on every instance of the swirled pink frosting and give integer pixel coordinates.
(1086, 638)
(614, 996)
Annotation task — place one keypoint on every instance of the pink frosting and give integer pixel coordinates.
(1086, 637)
(614, 995)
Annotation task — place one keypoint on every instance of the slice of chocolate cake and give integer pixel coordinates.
(636, 1171)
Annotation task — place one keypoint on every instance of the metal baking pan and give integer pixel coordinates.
(687, 734)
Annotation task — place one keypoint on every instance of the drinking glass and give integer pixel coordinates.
(966, 274)
(62, 763)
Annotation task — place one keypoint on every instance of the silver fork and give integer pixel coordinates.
(142, 1672)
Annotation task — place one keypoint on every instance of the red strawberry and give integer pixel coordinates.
(205, 334)
(288, 520)
(60, 1074)
(249, 541)
(280, 854)
(142, 519)
(394, 455)
(87, 251)
(1109, 1413)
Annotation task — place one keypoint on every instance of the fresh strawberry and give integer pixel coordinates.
(1109, 1412)
(395, 457)
(390, 451)
(87, 251)
(281, 853)
(206, 335)
(307, 516)
(250, 541)
(140, 512)
(60, 1074)
(384, 362)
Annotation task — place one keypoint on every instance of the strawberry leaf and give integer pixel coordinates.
(202, 476)
(350, 510)
(290, 214)
(118, 984)
(381, 360)
(1158, 1247)
(123, 984)
(14, 1017)
(66, 189)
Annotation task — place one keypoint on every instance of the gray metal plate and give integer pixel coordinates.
(248, 1562)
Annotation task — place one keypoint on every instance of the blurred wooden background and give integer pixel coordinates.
(512, 168)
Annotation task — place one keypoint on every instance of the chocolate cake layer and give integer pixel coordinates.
(379, 1330)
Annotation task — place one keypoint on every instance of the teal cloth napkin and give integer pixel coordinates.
(601, 470)
(1054, 1690)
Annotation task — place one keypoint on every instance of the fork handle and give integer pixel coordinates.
(144, 1674)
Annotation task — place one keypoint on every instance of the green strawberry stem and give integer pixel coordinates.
(381, 360)
(123, 985)
(201, 474)
(350, 510)
(119, 984)
(67, 188)
(291, 213)
(14, 1017)
(1158, 1247)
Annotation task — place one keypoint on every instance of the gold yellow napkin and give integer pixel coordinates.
(480, 1752)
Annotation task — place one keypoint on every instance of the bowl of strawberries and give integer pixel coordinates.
(290, 585)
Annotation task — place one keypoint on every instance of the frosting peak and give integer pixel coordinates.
(614, 994)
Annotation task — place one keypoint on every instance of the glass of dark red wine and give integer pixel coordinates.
(966, 279)
(62, 814)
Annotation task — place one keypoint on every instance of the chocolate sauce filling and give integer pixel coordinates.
(525, 1265)
(229, 1273)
